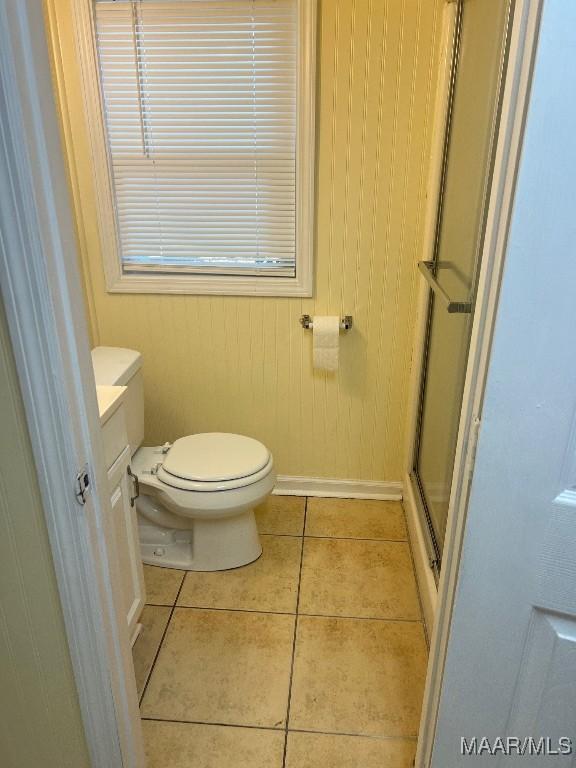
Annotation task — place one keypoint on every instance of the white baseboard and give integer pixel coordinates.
(424, 575)
(339, 489)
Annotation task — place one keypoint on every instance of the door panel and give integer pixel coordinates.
(545, 699)
(130, 571)
(479, 50)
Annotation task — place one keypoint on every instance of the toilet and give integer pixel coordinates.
(196, 495)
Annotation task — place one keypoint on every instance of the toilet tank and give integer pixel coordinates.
(116, 366)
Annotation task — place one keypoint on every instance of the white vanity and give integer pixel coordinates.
(128, 569)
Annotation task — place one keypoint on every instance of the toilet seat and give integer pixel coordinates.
(219, 485)
(214, 461)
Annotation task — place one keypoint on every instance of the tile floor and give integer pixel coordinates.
(314, 655)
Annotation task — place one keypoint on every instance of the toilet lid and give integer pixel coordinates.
(215, 456)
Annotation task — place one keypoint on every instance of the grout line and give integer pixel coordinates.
(358, 538)
(294, 638)
(426, 635)
(236, 610)
(214, 724)
(161, 643)
(293, 613)
(359, 618)
(357, 735)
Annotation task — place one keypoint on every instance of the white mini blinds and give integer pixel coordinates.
(200, 103)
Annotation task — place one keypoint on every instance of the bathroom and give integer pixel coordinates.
(280, 211)
(244, 365)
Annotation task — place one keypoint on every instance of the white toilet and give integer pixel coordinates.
(197, 495)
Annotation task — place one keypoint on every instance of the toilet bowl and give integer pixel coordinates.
(196, 496)
(202, 517)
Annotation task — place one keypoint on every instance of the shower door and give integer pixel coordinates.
(479, 54)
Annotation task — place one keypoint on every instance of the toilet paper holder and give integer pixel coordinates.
(346, 322)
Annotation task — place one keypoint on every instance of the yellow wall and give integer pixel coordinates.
(243, 364)
(40, 723)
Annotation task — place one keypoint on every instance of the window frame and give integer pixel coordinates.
(119, 281)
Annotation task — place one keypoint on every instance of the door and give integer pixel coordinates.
(510, 668)
(42, 296)
(479, 55)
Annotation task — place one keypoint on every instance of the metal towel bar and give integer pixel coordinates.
(454, 307)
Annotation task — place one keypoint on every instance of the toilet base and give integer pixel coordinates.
(207, 545)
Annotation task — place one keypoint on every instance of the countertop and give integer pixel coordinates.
(109, 399)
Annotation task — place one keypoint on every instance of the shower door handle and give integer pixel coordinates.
(454, 307)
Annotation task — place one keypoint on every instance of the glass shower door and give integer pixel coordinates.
(479, 56)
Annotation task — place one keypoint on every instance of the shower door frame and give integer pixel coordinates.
(523, 29)
(438, 598)
(451, 53)
(434, 547)
(427, 299)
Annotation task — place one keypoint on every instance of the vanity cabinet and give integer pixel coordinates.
(123, 526)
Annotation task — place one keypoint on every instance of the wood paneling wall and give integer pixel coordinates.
(244, 364)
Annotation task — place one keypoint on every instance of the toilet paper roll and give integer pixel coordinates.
(326, 338)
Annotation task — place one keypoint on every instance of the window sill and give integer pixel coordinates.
(216, 285)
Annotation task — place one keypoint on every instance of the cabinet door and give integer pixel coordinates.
(127, 548)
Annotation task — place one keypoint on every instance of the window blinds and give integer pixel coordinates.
(200, 111)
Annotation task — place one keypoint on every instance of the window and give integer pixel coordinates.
(207, 113)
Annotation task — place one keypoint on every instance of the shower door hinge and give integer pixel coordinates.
(82, 485)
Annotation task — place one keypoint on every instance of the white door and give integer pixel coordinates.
(510, 669)
(42, 295)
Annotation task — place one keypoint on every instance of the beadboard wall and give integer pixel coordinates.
(40, 721)
(244, 364)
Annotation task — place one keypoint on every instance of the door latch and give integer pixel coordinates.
(82, 485)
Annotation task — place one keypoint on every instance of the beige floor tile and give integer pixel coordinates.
(183, 745)
(223, 667)
(347, 577)
(311, 750)
(269, 584)
(281, 515)
(358, 676)
(162, 584)
(153, 619)
(355, 518)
